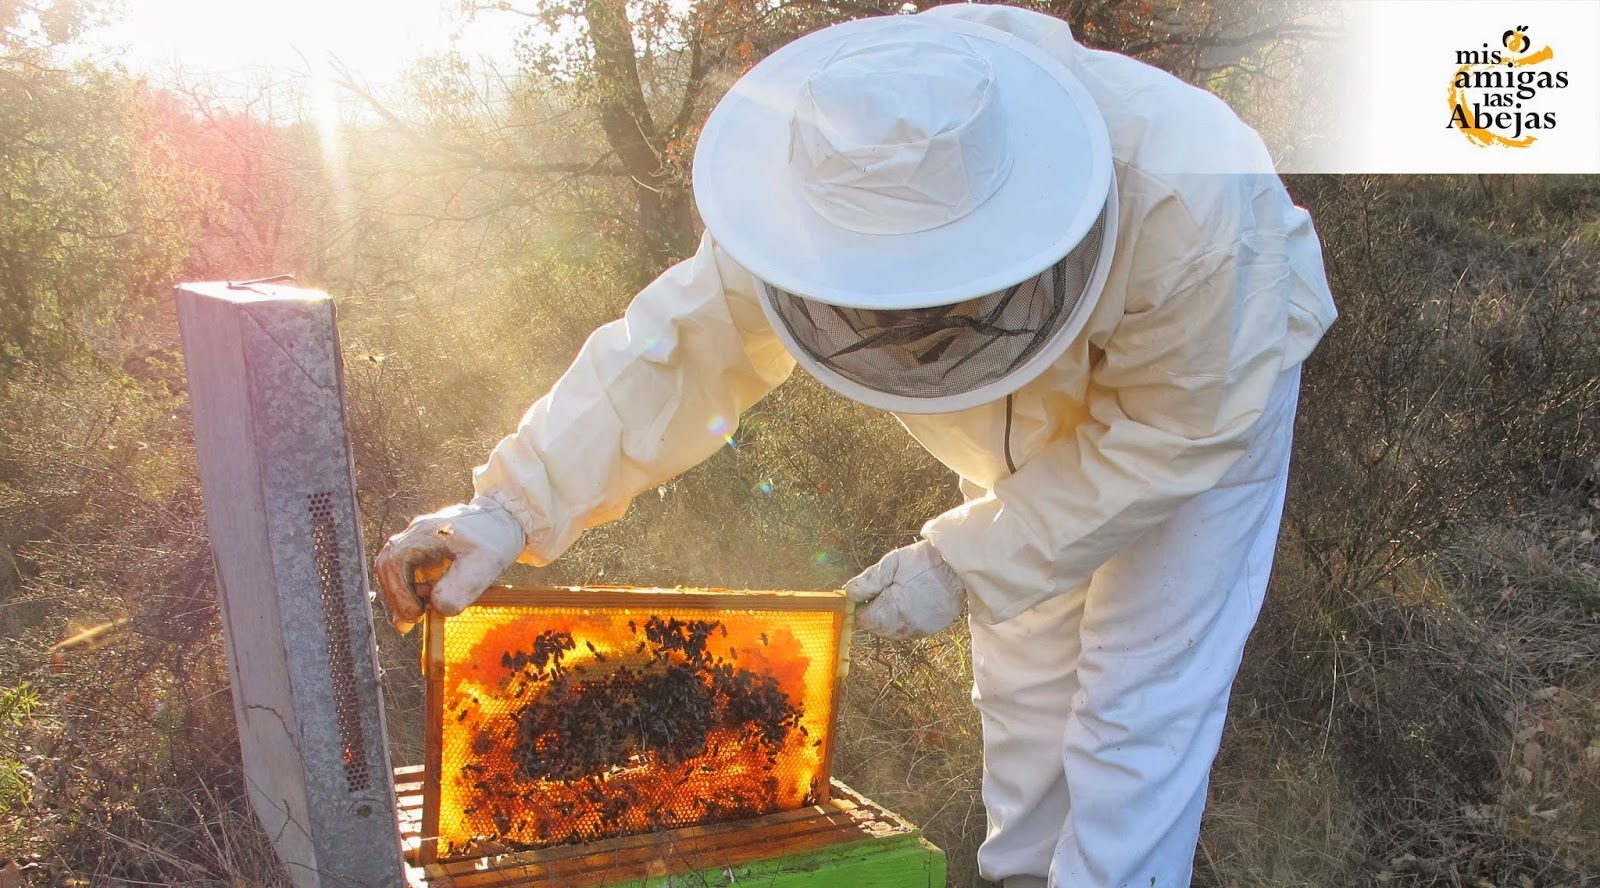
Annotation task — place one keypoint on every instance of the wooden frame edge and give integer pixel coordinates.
(624, 596)
(433, 734)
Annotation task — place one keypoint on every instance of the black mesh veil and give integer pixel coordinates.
(945, 350)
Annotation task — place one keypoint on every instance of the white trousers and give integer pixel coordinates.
(1102, 709)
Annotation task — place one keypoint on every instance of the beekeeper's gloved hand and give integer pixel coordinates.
(908, 594)
(480, 539)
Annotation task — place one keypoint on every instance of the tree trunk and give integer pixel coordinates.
(666, 224)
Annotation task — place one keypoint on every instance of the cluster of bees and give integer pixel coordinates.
(661, 704)
(630, 738)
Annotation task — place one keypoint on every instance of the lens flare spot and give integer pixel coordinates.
(825, 558)
(765, 486)
(719, 427)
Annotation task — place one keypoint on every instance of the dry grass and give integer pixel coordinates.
(1418, 772)
(1276, 817)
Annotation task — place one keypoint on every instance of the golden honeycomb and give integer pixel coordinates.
(651, 710)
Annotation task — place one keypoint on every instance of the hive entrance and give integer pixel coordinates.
(563, 716)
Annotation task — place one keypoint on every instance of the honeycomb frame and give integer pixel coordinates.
(501, 774)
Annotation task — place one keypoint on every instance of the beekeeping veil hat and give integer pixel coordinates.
(929, 207)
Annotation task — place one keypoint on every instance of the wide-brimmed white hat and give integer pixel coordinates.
(897, 162)
(930, 207)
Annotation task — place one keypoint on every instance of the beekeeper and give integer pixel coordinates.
(1078, 283)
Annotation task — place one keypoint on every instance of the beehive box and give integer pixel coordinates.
(846, 841)
(561, 716)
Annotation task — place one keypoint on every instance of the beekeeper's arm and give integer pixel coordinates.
(648, 397)
(1184, 375)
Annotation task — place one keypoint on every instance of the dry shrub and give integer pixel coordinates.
(130, 759)
(1455, 394)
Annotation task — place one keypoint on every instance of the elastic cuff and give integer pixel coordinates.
(977, 609)
(505, 502)
(1004, 567)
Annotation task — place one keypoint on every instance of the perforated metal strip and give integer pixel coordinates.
(341, 658)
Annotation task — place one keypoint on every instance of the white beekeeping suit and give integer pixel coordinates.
(1078, 283)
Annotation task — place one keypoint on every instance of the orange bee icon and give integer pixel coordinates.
(1516, 39)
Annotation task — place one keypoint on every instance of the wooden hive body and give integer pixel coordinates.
(846, 842)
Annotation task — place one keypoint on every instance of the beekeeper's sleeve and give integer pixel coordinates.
(1186, 371)
(648, 397)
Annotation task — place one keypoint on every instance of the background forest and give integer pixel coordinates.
(1419, 706)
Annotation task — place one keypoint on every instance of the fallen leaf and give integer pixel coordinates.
(1533, 755)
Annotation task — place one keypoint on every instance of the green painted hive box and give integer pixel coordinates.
(846, 842)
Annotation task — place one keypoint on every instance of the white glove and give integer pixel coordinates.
(478, 541)
(908, 594)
